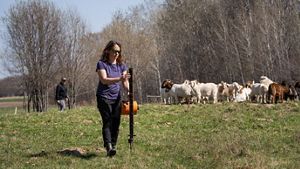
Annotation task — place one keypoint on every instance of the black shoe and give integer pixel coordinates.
(110, 150)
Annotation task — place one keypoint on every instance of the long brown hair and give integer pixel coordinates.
(108, 47)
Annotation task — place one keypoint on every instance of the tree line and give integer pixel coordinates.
(231, 40)
(207, 40)
(211, 41)
(45, 43)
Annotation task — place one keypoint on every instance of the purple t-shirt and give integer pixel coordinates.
(111, 92)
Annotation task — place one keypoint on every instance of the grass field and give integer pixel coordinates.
(230, 135)
(12, 99)
(11, 102)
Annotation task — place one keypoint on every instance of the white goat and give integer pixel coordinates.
(205, 91)
(166, 96)
(259, 91)
(243, 95)
(266, 81)
(179, 91)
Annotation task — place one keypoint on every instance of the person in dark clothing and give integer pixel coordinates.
(111, 72)
(61, 95)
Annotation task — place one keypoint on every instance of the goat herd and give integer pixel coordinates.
(266, 91)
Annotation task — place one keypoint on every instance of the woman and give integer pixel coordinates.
(111, 72)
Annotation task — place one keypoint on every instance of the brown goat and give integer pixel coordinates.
(167, 84)
(277, 92)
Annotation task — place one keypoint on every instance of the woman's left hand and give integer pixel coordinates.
(125, 76)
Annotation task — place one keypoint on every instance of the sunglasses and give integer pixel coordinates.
(116, 51)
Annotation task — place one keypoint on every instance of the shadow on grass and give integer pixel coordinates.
(41, 154)
(78, 152)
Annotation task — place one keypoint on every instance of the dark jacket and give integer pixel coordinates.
(61, 92)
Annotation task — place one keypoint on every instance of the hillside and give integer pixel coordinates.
(177, 136)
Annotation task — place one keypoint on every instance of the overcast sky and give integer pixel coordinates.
(96, 13)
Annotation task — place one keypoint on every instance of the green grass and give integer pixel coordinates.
(178, 136)
(12, 99)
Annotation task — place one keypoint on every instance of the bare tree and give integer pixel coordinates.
(74, 62)
(34, 36)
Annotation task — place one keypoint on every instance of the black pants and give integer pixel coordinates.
(110, 111)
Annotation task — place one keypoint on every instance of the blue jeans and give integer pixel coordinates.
(61, 104)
